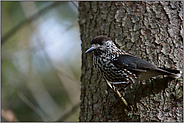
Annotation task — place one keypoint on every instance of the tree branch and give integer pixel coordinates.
(35, 16)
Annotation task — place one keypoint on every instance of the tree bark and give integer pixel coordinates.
(152, 31)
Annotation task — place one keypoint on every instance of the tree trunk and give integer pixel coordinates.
(152, 31)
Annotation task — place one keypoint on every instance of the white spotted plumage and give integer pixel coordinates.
(103, 62)
(120, 67)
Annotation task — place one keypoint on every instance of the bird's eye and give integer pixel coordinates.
(101, 43)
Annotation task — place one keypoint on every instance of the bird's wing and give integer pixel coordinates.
(133, 63)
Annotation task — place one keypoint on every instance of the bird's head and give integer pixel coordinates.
(101, 44)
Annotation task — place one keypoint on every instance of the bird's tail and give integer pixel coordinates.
(172, 72)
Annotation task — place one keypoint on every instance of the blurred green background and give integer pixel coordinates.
(40, 61)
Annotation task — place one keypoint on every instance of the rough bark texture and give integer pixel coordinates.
(150, 30)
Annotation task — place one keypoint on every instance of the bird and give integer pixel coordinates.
(120, 67)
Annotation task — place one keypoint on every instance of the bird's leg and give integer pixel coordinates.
(114, 88)
(118, 82)
(125, 84)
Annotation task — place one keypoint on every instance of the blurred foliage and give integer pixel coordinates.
(40, 61)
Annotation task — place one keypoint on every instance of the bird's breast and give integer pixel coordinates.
(111, 72)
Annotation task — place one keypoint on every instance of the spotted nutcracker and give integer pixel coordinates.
(119, 67)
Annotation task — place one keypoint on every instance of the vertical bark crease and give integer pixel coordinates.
(150, 30)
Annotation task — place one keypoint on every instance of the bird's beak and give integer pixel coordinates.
(90, 49)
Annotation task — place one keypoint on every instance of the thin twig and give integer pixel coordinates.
(32, 106)
(74, 4)
(18, 26)
(68, 112)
